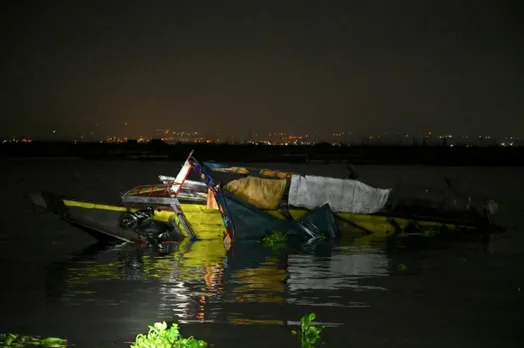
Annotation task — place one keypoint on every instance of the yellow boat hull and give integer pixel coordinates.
(207, 223)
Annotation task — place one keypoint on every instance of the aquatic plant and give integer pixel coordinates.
(309, 334)
(160, 336)
(429, 232)
(402, 267)
(15, 340)
(275, 240)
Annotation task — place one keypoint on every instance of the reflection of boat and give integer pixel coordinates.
(58, 275)
(186, 281)
(204, 260)
(253, 283)
(343, 269)
(199, 289)
(253, 202)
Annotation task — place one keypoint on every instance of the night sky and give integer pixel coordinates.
(446, 66)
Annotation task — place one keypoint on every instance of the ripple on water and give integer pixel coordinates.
(198, 283)
(313, 280)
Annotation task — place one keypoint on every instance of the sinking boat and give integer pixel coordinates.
(237, 203)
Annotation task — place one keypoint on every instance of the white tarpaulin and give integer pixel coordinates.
(342, 195)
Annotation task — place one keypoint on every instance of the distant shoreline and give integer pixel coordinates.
(44, 158)
(227, 153)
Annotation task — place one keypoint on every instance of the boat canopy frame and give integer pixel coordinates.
(167, 194)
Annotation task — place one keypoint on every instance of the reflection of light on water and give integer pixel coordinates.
(193, 284)
(325, 324)
(264, 284)
(196, 277)
(337, 271)
(187, 299)
(238, 319)
(345, 269)
(200, 315)
(175, 297)
(308, 301)
(248, 281)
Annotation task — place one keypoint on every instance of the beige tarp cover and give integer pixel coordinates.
(262, 193)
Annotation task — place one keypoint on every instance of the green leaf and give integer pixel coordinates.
(9, 339)
(161, 326)
(309, 333)
(275, 240)
(53, 342)
(311, 317)
(160, 336)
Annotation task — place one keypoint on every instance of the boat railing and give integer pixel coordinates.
(167, 193)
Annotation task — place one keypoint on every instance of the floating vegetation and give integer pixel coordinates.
(15, 340)
(275, 240)
(160, 335)
(402, 267)
(430, 232)
(309, 334)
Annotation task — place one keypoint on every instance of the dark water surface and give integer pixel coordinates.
(55, 281)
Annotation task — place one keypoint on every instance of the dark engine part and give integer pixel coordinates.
(130, 220)
(156, 232)
(140, 221)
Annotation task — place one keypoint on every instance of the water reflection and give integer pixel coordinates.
(250, 274)
(341, 270)
(196, 275)
(198, 282)
(316, 280)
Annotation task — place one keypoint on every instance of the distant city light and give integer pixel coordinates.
(280, 138)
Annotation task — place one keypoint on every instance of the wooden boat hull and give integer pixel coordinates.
(102, 220)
